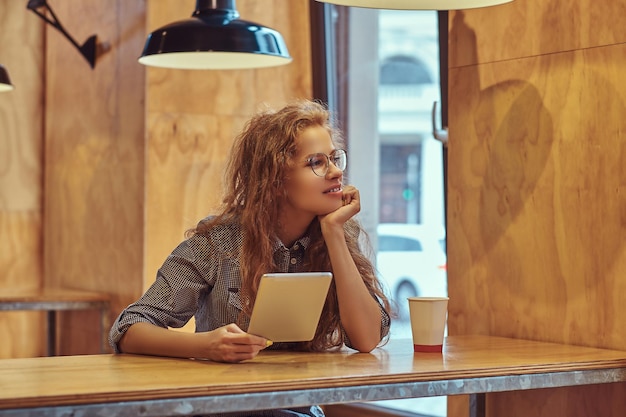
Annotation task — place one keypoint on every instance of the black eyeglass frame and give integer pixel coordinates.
(337, 153)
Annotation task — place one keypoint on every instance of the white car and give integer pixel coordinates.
(411, 261)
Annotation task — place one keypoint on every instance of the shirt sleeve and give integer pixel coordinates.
(171, 300)
(385, 324)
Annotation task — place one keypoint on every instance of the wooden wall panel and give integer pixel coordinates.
(528, 28)
(21, 110)
(581, 401)
(129, 166)
(536, 195)
(194, 115)
(186, 156)
(94, 166)
(537, 188)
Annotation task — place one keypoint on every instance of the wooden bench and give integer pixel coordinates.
(53, 300)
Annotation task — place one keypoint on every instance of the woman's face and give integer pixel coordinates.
(308, 194)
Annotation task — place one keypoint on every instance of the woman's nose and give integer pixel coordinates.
(333, 171)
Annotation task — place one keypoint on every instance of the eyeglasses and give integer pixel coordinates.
(320, 162)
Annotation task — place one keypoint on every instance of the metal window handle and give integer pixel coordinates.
(440, 134)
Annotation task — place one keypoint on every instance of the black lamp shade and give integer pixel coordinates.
(214, 39)
(5, 82)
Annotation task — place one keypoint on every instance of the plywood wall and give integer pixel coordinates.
(94, 160)
(537, 183)
(102, 170)
(21, 173)
(193, 116)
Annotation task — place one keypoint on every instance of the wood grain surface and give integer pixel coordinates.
(63, 380)
(102, 170)
(21, 173)
(12, 295)
(537, 183)
(536, 199)
(193, 117)
(94, 161)
(524, 28)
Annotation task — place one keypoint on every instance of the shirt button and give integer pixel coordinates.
(293, 261)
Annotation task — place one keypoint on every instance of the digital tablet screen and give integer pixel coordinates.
(288, 306)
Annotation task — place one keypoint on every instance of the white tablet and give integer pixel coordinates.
(288, 306)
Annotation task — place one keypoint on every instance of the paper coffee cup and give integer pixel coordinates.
(428, 322)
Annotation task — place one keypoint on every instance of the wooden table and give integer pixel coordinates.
(121, 385)
(52, 300)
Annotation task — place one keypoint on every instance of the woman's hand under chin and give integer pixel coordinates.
(351, 206)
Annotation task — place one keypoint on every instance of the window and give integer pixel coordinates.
(398, 244)
(379, 72)
(403, 70)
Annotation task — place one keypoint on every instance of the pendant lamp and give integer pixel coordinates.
(214, 38)
(417, 4)
(5, 82)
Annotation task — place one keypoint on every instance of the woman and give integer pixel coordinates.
(285, 209)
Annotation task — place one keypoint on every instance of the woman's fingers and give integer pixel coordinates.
(231, 344)
(350, 195)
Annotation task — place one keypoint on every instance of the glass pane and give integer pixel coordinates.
(383, 81)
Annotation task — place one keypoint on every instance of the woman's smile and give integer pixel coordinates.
(334, 189)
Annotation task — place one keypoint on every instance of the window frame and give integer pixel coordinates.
(323, 69)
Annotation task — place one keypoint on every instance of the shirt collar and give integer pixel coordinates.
(303, 242)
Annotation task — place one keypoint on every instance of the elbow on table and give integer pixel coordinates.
(366, 346)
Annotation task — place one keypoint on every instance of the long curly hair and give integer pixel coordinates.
(258, 166)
